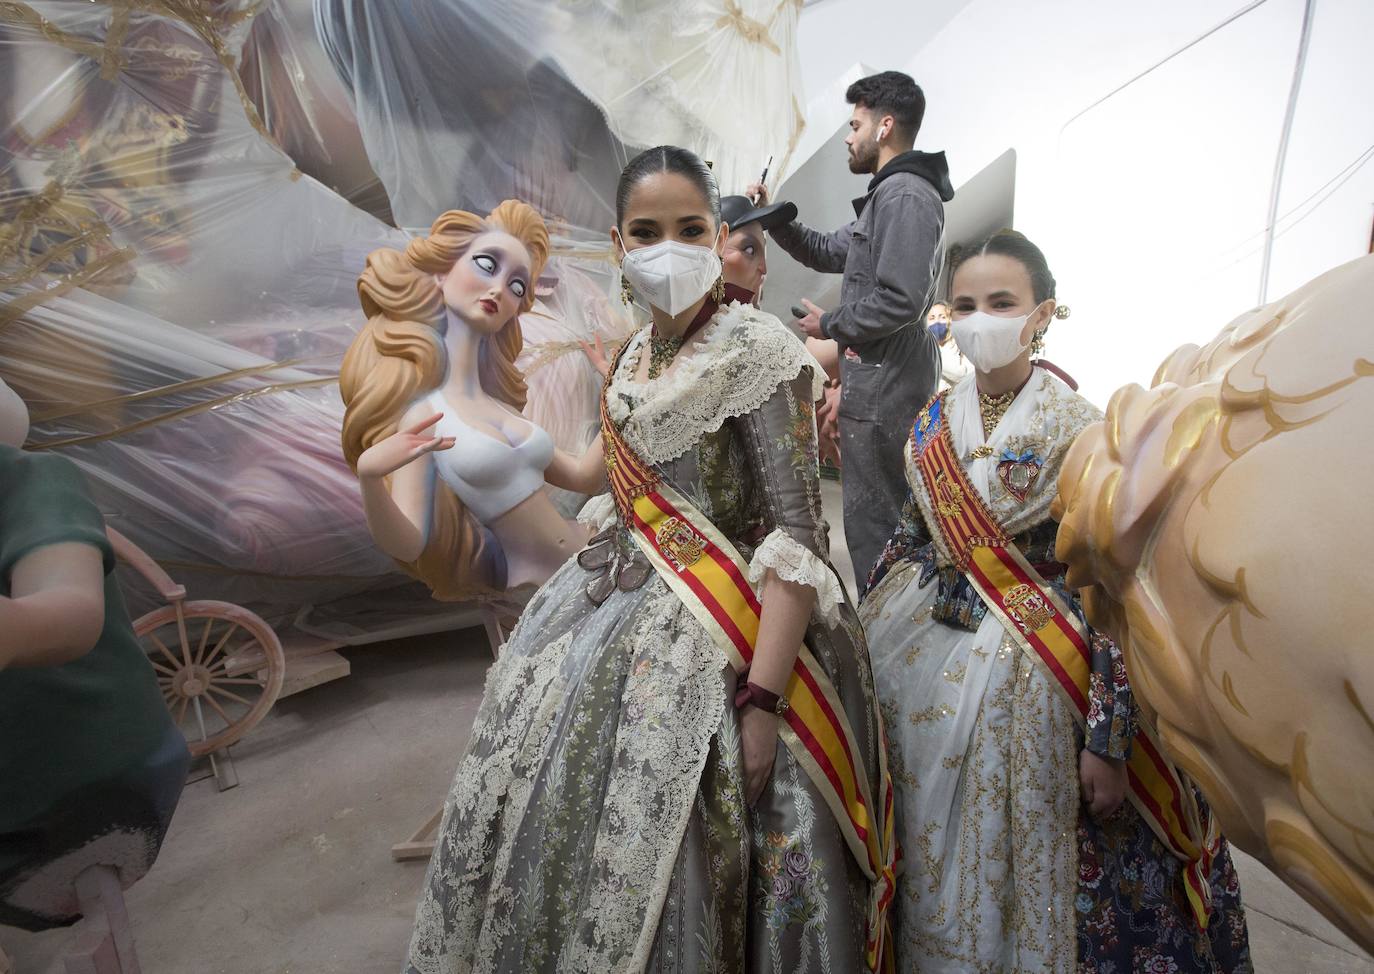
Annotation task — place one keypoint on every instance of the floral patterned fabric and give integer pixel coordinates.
(1132, 914)
(597, 820)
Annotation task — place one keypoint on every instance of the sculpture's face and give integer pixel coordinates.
(1222, 527)
(744, 261)
(488, 282)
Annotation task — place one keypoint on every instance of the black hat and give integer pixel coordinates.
(738, 211)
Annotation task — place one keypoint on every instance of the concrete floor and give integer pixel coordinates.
(290, 872)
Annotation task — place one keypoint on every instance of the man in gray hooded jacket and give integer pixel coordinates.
(890, 257)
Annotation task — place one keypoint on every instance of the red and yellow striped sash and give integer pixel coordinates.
(705, 570)
(1037, 619)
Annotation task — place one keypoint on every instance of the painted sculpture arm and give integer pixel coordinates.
(581, 475)
(398, 514)
(56, 609)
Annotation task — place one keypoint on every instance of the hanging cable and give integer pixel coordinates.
(1254, 4)
(1282, 156)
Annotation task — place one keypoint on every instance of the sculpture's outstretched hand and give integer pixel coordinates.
(388, 455)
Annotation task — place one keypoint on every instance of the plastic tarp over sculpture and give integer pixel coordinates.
(177, 297)
(1220, 523)
(178, 292)
(187, 194)
(464, 103)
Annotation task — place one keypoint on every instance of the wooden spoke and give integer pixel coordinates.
(181, 710)
(162, 669)
(215, 688)
(219, 646)
(228, 721)
(204, 640)
(164, 650)
(184, 639)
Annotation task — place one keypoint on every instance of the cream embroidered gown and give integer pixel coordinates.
(1005, 872)
(597, 822)
(981, 747)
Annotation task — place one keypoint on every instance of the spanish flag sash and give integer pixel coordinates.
(702, 567)
(1035, 617)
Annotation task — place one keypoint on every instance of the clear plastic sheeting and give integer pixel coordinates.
(461, 106)
(721, 77)
(305, 106)
(466, 102)
(177, 296)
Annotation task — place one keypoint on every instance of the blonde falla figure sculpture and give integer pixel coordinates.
(432, 426)
(1219, 523)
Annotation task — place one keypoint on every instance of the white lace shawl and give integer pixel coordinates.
(1045, 418)
(743, 355)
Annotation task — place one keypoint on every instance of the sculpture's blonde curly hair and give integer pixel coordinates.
(399, 356)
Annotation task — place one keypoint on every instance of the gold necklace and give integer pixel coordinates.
(992, 409)
(662, 351)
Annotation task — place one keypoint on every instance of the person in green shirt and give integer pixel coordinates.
(91, 764)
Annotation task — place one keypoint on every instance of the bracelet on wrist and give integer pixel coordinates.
(751, 694)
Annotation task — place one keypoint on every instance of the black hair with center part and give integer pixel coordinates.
(667, 158)
(891, 93)
(1009, 243)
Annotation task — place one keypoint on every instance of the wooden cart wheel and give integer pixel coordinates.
(220, 668)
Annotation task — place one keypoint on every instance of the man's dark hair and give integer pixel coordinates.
(891, 93)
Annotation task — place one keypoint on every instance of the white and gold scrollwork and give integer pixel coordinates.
(1220, 526)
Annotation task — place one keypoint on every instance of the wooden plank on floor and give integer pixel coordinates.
(311, 671)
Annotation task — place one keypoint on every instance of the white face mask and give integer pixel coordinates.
(989, 341)
(671, 275)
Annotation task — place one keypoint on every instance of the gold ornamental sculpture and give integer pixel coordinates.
(1220, 525)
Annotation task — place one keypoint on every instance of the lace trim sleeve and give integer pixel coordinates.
(793, 562)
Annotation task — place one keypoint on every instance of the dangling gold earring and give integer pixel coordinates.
(718, 291)
(627, 293)
(1038, 343)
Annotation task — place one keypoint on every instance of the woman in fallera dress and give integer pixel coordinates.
(677, 764)
(1027, 847)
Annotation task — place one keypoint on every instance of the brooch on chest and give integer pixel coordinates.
(1018, 472)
